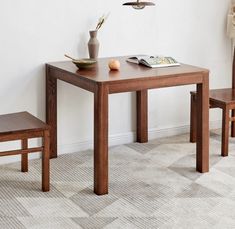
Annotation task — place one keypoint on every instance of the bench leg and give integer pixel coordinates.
(24, 157)
(225, 132)
(46, 162)
(193, 119)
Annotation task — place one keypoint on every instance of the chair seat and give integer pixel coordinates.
(18, 122)
(225, 95)
(23, 126)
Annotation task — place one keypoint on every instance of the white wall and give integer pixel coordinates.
(34, 32)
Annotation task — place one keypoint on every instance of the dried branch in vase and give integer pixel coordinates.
(101, 21)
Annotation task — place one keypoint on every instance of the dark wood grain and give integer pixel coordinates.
(18, 122)
(131, 77)
(233, 87)
(23, 126)
(128, 72)
(193, 118)
(101, 140)
(46, 162)
(202, 147)
(142, 116)
(223, 96)
(233, 124)
(51, 109)
(21, 151)
(233, 70)
(225, 132)
(20, 135)
(24, 157)
(219, 98)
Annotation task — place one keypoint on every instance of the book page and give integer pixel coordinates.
(159, 61)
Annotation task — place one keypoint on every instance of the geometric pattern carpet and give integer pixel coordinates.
(152, 185)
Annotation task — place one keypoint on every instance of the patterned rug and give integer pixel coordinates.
(152, 185)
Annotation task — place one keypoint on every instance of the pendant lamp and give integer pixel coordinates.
(138, 5)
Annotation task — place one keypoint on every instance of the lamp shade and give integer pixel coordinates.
(138, 4)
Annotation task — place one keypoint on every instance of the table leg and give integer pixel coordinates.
(225, 132)
(142, 115)
(101, 140)
(233, 124)
(51, 111)
(193, 118)
(202, 147)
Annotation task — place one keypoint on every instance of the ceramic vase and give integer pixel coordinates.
(93, 45)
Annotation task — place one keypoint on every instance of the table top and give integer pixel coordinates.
(128, 71)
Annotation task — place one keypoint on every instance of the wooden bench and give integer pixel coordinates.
(23, 126)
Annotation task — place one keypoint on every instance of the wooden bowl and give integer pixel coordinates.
(84, 63)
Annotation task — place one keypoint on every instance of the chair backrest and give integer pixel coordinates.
(233, 70)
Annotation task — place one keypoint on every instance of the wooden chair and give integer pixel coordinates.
(22, 126)
(219, 98)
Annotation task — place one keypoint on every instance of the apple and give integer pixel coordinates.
(114, 64)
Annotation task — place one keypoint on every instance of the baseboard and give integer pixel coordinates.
(117, 139)
(125, 138)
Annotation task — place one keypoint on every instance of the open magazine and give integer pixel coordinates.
(153, 61)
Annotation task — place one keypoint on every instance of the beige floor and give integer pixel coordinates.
(152, 185)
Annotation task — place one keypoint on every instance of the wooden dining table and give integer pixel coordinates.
(130, 78)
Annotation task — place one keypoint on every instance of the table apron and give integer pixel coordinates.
(69, 78)
(123, 86)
